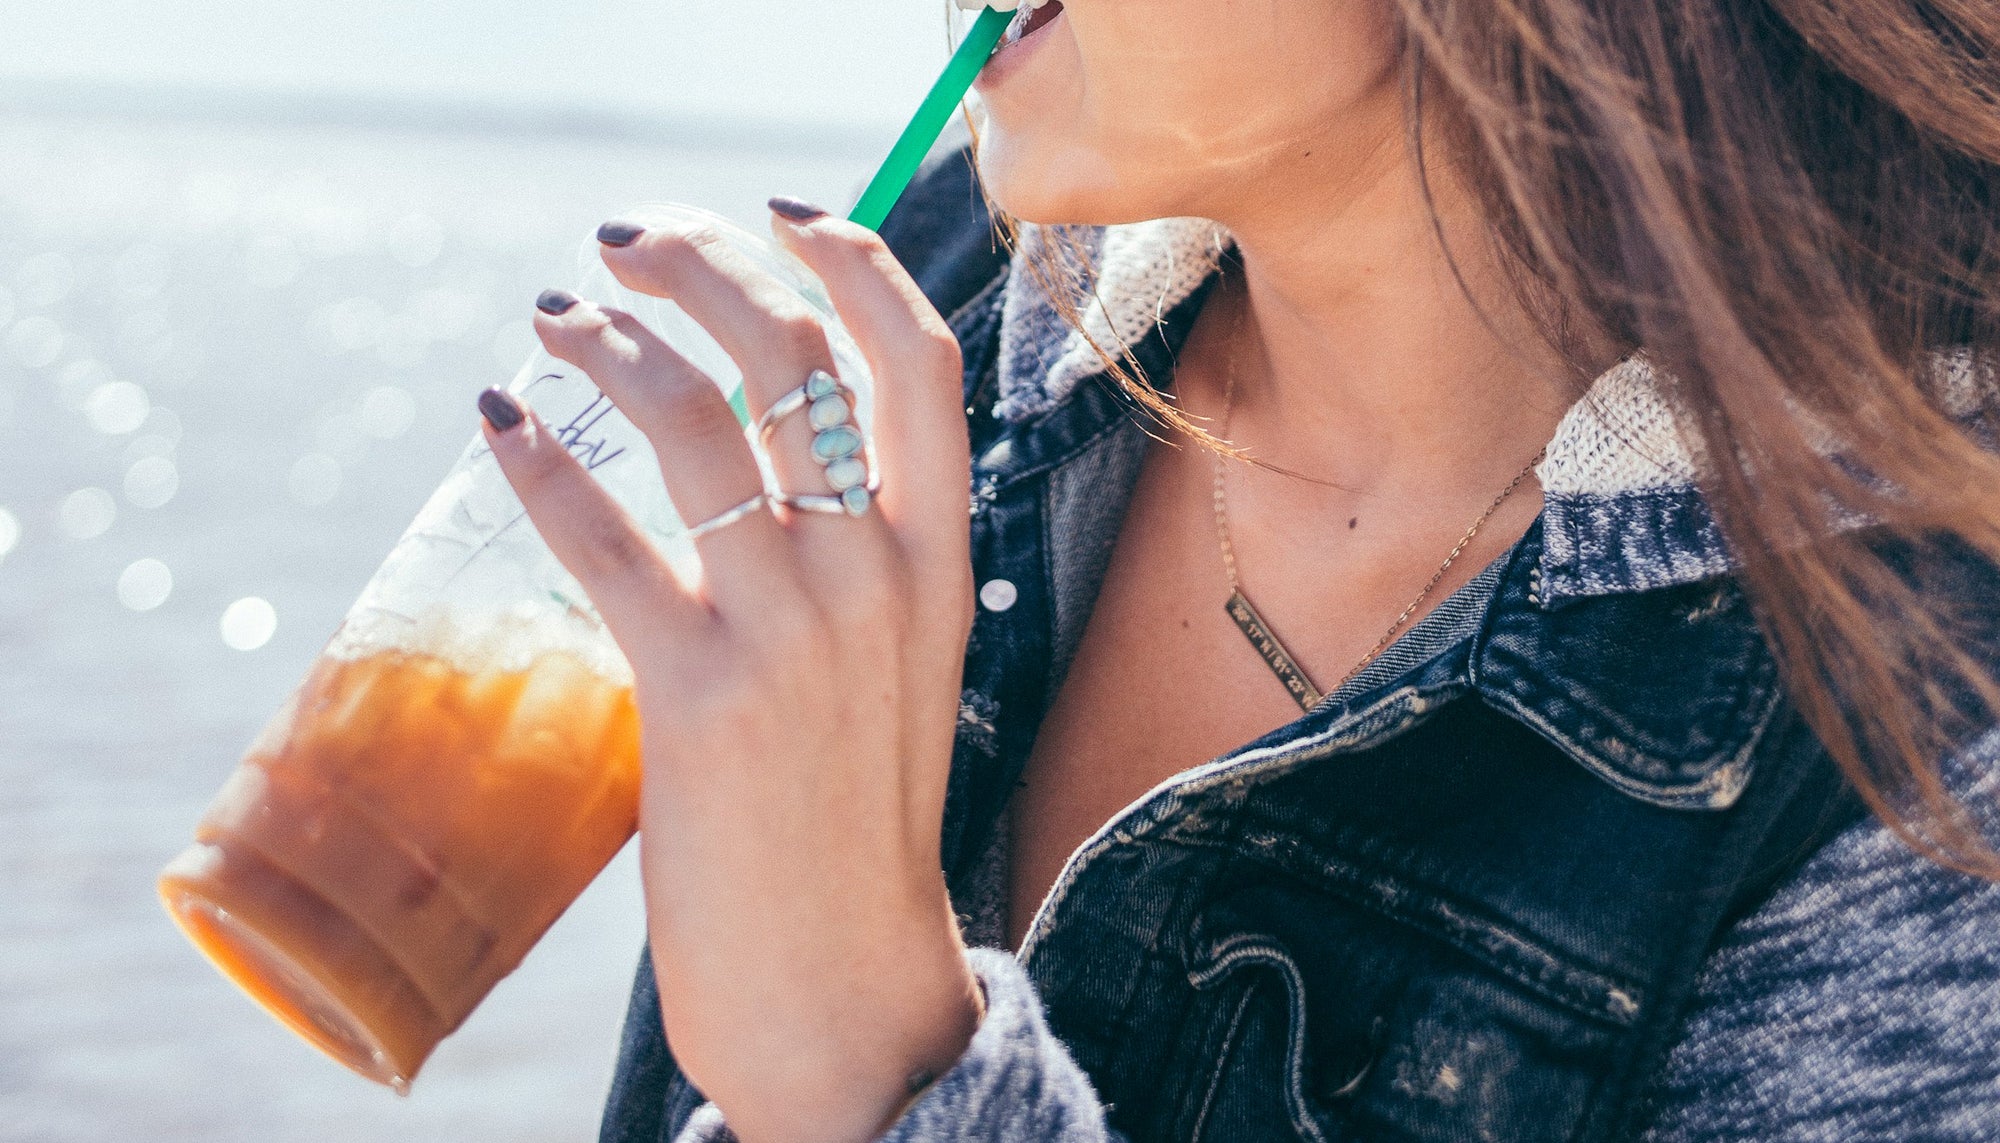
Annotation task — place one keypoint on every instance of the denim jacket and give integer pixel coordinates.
(1470, 896)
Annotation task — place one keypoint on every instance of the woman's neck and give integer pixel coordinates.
(1360, 359)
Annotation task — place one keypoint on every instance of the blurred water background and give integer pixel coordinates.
(255, 262)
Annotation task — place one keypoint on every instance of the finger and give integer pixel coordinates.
(627, 580)
(920, 433)
(774, 337)
(920, 428)
(707, 465)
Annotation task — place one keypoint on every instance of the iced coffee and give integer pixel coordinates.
(401, 835)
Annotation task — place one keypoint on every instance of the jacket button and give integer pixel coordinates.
(998, 594)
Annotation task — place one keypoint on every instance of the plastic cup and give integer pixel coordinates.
(463, 758)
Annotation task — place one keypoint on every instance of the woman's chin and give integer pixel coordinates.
(1035, 187)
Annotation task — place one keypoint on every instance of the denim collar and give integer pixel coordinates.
(1621, 509)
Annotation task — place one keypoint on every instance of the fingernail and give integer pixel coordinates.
(555, 302)
(795, 209)
(500, 409)
(617, 233)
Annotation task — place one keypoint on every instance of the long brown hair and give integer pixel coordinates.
(1793, 208)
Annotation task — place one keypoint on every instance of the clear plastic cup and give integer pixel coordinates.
(463, 758)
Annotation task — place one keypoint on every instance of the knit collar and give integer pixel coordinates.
(1621, 511)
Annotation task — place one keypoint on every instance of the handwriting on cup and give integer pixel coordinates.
(575, 435)
(579, 435)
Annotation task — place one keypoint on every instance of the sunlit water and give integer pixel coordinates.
(233, 361)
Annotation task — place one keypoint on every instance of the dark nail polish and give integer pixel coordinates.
(616, 233)
(795, 209)
(500, 409)
(556, 302)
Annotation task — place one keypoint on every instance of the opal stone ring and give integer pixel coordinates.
(836, 445)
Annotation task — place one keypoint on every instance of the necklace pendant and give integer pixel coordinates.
(1273, 652)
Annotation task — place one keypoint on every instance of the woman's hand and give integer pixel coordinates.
(799, 702)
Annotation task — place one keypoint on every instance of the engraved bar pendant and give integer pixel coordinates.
(1273, 652)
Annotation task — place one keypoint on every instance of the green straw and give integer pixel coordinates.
(920, 136)
(928, 123)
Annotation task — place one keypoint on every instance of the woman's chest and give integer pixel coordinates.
(1146, 700)
(1163, 680)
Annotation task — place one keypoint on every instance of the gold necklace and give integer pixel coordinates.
(1244, 613)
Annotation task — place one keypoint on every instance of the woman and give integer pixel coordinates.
(1592, 392)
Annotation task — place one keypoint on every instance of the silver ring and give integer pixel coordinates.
(784, 407)
(724, 519)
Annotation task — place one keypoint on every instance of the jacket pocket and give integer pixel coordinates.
(1448, 1051)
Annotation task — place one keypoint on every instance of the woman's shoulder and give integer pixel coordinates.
(1862, 1001)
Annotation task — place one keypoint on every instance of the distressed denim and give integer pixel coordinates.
(1471, 896)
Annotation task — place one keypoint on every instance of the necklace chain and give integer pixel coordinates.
(1275, 655)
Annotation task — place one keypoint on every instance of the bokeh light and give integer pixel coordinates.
(152, 481)
(86, 513)
(145, 584)
(117, 407)
(249, 623)
(348, 325)
(387, 412)
(35, 342)
(10, 532)
(45, 279)
(451, 315)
